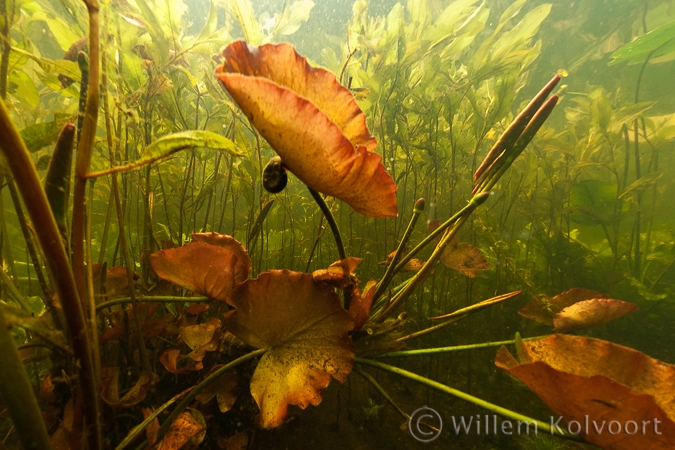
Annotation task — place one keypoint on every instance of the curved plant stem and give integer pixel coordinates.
(201, 386)
(391, 268)
(160, 299)
(466, 397)
(331, 221)
(456, 348)
(382, 392)
(28, 183)
(138, 429)
(17, 393)
(420, 276)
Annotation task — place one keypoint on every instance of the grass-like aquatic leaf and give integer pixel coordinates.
(57, 182)
(658, 42)
(168, 145)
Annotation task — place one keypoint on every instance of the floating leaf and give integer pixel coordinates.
(184, 428)
(110, 389)
(305, 329)
(464, 258)
(616, 397)
(211, 265)
(589, 313)
(338, 274)
(543, 309)
(312, 122)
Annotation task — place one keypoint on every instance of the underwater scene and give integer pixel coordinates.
(337, 224)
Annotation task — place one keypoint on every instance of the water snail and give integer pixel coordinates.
(274, 176)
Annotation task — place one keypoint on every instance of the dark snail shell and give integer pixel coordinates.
(274, 176)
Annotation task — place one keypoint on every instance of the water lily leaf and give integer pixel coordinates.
(152, 429)
(464, 258)
(312, 122)
(175, 363)
(184, 428)
(543, 309)
(201, 338)
(338, 274)
(589, 313)
(210, 265)
(616, 397)
(224, 389)
(110, 388)
(359, 307)
(305, 329)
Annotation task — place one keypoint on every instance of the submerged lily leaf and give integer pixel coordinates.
(224, 389)
(543, 309)
(618, 398)
(464, 258)
(184, 428)
(589, 313)
(338, 274)
(305, 329)
(312, 122)
(201, 338)
(110, 388)
(359, 307)
(211, 265)
(171, 360)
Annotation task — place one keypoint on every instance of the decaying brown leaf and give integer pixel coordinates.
(224, 389)
(110, 388)
(543, 309)
(312, 122)
(305, 329)
(175, 363)
(589, 313)
(184, 428)
(464, 258)
(613, 396)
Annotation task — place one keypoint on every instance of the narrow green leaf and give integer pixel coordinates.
(42, 134)
(173, 143)
(660, 40)
(242, 10)
(293, 17)
(641, 183)
(258, 224)
(211, 23)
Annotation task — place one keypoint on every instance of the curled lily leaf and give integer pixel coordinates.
(312, 122)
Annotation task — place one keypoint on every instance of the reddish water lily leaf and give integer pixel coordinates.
(175, 363)
(359, 307)
(464, 258)
(110, 388)
(589, 313)
(224, 389)
(619, 392)
(312, 122)
(184, 428)
(210, 265)
(543, 309)
(338, 274)
(201, 338)
(305, 329)
(152, 429)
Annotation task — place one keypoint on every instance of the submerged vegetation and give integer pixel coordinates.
(201, 227)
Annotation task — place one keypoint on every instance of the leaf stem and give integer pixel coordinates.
(331, 221)
(456, 348)
(466, 397)
(159, 299)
